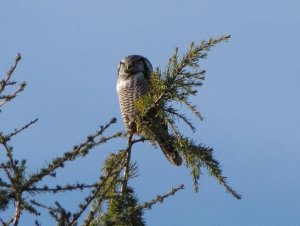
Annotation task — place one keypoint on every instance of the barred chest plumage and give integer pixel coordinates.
(130, 87)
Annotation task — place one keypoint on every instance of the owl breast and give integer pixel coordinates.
(130, 88)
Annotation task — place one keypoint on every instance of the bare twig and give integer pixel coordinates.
(16, 131)
(5, 82)
(52, 211)
(18, 212)
(148, 205)
(61, 188)
(13, 95)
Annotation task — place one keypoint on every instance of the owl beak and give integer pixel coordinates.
(127, 70)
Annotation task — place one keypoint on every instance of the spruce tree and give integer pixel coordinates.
(111, 200)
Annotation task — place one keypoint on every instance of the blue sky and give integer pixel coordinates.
(250, 98)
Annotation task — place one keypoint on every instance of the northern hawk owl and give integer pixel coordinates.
(133, 82)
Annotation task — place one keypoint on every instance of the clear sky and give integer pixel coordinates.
(250, 98)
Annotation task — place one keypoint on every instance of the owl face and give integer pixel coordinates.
(134, 64)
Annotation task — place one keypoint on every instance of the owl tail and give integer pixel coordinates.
(168, 149)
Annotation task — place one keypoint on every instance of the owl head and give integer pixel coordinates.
(134, 64)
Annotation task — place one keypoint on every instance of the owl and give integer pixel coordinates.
(133, 82)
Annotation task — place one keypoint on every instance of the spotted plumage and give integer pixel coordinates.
(133, 82)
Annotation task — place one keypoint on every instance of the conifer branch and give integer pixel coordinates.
(197, 156)
(102, 189)
(181, 80)
(172, 111)
(91, 215)
(121, 217)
